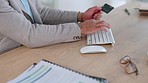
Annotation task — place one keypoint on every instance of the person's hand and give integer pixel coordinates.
(92, 13)
(92, 26)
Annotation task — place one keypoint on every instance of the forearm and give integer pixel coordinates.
(19, 29)
(43, 35)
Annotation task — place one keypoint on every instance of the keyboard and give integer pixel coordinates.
(101, 37)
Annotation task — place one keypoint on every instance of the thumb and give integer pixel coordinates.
(96, 9)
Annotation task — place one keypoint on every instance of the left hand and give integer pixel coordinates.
(92, 13)
(92, 26)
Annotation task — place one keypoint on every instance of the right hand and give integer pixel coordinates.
(92, 26)
(92, 13)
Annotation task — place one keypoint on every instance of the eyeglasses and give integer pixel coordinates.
(129, 66)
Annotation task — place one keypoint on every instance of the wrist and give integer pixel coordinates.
(79, 17)
(81, 28)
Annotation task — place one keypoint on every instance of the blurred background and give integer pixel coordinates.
(82, 5)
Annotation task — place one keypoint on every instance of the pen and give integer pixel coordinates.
(126, 11)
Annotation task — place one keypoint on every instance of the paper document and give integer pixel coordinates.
(48, 72)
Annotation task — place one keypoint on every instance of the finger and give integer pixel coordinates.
(97, 16)
(104, 29)
(101, 29)
(102, 24)
(94, 30)
(99, 12)
(96, 9)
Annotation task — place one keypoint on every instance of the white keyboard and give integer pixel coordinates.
(101, 37)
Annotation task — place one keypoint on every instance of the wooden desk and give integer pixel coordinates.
(131, 35)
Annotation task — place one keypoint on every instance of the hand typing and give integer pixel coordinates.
(92, 26)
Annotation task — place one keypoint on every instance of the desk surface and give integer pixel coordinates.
(130, 33)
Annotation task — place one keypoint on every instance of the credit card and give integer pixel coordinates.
(107, 8)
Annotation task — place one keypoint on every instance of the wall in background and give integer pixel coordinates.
(82, 5)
